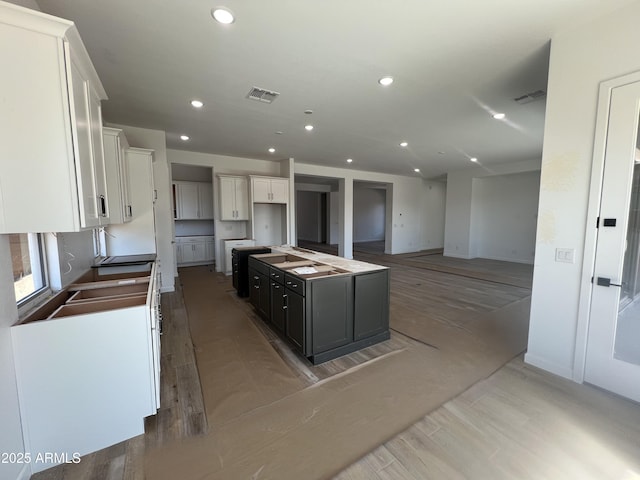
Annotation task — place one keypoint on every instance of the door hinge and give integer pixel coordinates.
(597, 226)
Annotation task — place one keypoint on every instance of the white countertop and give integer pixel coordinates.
(353, 266)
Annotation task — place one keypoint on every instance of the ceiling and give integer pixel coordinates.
(454, 63)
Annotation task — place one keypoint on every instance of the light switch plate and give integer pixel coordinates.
(565, 255)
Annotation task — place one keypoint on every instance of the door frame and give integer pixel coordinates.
(593, 210)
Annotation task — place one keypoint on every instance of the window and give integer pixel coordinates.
(29, 274)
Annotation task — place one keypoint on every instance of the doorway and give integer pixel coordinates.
(613, 340)
(369, 217)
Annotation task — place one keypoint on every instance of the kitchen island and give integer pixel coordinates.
(325, 306)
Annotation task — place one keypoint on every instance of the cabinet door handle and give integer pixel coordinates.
(130, 210)
(103, 206)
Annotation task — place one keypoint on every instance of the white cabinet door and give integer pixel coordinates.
(187, 200)
(234, 203)
(117, 173)
(270, 190)
(97, 152)
(84, 159)
(188, 253)
(193, 200)
(261, 189)
(199, 251)
(242, 198)
(205, 200)
(227, 198)
(279, 190)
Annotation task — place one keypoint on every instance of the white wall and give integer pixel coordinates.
(191, 174)
(580, 59)
(406, 219)
(369, 208)
(156, 141)
(433, 204)
(69, 255)
(25, 3)
(334, 218)
(461, 216)
(504, 216)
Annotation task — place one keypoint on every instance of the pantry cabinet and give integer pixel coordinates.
(117, 172)
(52, 173)
(234, 194)
(269, 189)
(193, 200)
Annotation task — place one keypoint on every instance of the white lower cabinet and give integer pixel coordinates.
(197, 249)
(89, 372)
(229, 245)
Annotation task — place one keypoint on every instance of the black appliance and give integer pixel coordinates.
(240, 267)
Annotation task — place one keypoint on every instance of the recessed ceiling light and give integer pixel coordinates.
(349, 160)
(385, 81)
(279, 132)
(308, 128)
(440, 152)
(417, 170)
(403, 144)
(272, 150)
(184, 137)
(499, 116)
(222, 15)
(197, 104)
(473, 159)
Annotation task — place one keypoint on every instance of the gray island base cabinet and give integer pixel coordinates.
(325, 314)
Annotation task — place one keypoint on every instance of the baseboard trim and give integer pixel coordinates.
(549, 366)
(456, 255)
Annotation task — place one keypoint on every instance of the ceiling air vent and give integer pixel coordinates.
(262, 95)
(530, 97)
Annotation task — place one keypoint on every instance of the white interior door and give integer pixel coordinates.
(613, 344)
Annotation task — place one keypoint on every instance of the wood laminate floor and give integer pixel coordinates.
(518, 423)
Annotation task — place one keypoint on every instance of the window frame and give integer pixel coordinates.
(39, 260)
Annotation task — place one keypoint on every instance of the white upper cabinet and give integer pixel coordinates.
(234, 194)
(193, 200)
(116, 165)
(269, 189)
(52, 174)
(205, 200)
